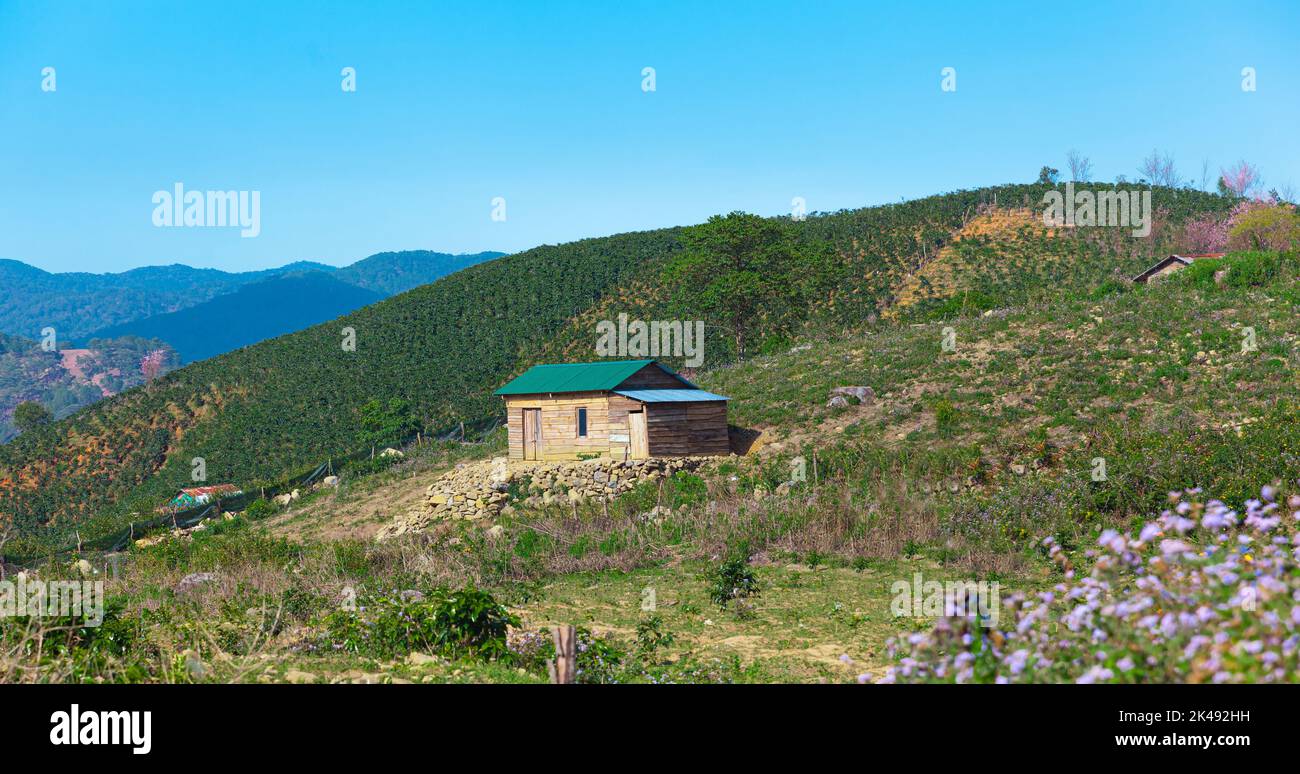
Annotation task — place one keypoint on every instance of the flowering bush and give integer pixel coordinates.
(1263, 226)
(1201, 594)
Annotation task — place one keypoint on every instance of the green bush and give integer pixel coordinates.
(732, 578)
(259, 509)
(468, 622)
(1110, 287)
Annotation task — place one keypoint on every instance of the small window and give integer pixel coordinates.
(582, 423)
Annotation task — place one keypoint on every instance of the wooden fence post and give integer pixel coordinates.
(564, 667)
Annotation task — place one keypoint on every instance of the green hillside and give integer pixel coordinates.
(284, 405)
(270, 409)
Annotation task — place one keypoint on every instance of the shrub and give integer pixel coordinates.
(1110, 287)
(259, 509)
(351, 558)
(732, 578)
(468, 622)
(471, 620)
(116, 649)
(1266, 227)
(1252, 269)
(600, 660)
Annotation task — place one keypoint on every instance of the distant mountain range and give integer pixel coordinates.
(77, 304)
(105, 323)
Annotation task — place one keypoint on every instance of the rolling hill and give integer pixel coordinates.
(284, 405)
(78, 303)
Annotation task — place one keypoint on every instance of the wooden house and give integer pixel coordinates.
(1169, 265)
(626, 409)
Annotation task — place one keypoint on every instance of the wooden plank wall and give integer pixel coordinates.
(683, 429)
(560, 424)
(651, 377)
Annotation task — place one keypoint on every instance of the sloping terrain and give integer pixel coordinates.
(270, 409)
(76, 303)
(285, 405)
(972, 462)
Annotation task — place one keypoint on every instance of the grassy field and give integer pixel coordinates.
(975, 463)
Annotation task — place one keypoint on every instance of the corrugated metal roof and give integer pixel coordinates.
(669, 396)
(573, 377)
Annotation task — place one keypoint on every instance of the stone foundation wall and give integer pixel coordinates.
(477, 491)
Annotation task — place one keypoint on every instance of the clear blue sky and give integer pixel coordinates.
(541, 103)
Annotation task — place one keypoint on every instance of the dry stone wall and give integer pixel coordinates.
(478, 491)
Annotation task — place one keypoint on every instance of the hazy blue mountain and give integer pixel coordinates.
(253, 313)
(76, 304)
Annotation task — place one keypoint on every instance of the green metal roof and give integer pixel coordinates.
(576, 377)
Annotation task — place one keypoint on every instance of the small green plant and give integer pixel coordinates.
(731, 579)
(945, 415)
(600, 660)
(650, 635)
(518, 488)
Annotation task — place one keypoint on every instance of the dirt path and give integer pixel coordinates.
(356, 513)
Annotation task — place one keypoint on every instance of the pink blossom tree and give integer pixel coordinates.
(1243, 180)
(1206, 234)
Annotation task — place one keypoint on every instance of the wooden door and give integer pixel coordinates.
(532, 434)
(637, 439)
